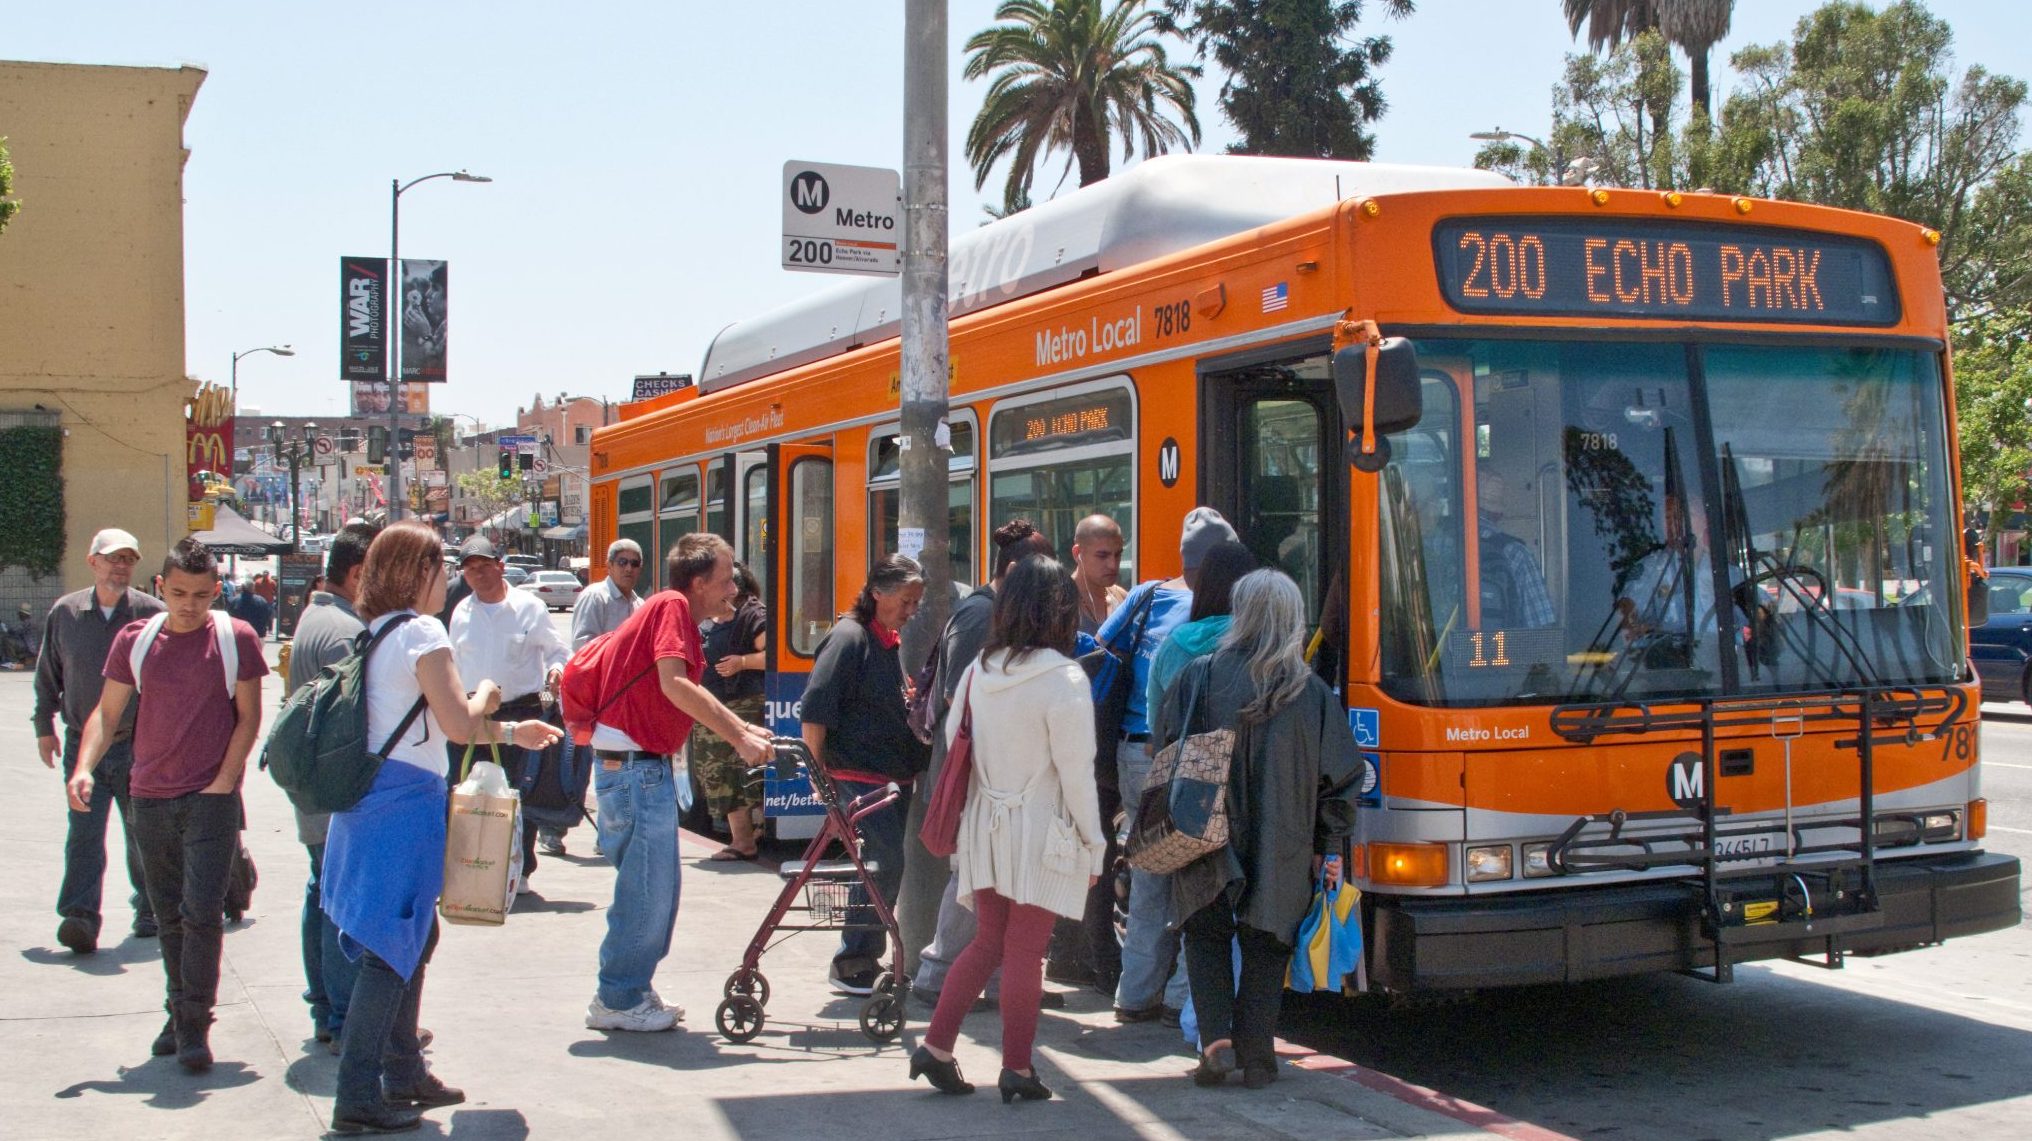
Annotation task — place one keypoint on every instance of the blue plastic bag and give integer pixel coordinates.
(1329, 945)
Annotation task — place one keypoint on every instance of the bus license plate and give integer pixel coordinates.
(1744, 845)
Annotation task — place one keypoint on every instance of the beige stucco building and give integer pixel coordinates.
(92, 296)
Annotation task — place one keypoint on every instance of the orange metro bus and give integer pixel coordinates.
(1634, 543)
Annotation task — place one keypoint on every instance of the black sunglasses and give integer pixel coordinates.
(625, 562)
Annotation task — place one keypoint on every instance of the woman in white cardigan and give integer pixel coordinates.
(1030, 841)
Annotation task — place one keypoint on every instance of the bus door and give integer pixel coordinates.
(1270, 442)
(786, 534)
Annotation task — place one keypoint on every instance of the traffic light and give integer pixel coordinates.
(507, 464)
(528, 459)
(377, 444)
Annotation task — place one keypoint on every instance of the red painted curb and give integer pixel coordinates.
(1466, 1112)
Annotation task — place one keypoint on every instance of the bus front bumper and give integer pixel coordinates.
(1570, 935)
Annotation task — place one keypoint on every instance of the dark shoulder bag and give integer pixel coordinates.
(1111, 668)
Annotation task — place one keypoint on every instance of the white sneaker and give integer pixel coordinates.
(644, 1016)
(656, 1000)
(522, 885)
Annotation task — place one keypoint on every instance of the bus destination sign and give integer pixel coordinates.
(1621, 267)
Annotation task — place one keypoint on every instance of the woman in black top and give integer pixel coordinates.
(857, 729)
(734, 642)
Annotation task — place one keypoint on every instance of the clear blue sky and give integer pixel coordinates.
(636, 149)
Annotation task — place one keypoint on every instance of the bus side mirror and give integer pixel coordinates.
(1395, 405)
(1978, 599)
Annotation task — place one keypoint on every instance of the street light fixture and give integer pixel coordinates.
(1575, 172)
(278, 350)
(397, 187)
(297, 449)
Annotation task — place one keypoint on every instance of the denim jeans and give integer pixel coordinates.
(187, 845)
(85, 846)
(957, 927)
(327, 973)
(1150, 947)
(882, 843)
(638, 833)
(379, 1043)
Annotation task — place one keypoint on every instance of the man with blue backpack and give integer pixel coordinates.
(324, 636)
(197, 676)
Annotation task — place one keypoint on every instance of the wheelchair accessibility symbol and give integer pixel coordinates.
(1368, 727)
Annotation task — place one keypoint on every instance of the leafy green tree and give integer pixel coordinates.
(493, 492)
(1070, 75)
(8, 206)
(1611, 122)
(1298, 83)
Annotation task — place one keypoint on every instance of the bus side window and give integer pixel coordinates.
(809, 522)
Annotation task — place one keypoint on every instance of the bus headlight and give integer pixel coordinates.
(1538, 860)
(1491, 863)
(1940, 826)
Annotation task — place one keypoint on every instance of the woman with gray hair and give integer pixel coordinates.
(1291, 808)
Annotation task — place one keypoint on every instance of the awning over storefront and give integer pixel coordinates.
(508, 519)
(565, 534)
(230, 534)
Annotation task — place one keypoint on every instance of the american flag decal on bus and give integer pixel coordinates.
(1276, 297)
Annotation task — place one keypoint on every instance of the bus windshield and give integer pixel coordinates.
(1581, 521)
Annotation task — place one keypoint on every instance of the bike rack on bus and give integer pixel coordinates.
(1794, 890)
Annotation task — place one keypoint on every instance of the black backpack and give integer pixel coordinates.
(317, 748)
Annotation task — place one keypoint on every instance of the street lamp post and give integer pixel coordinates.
(397, 186)
(297, 449)
(278, 350)
(1573, 173)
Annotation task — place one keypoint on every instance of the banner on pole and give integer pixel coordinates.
(423, 320)
(363, 333)
(370, 398)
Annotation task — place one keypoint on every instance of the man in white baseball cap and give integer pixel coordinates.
(68, 678)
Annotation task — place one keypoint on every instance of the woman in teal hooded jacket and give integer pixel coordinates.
(1211, 612)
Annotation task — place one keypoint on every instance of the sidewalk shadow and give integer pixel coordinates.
(488, 1125)
(162, 1084)
(535, 903)
(111, 959)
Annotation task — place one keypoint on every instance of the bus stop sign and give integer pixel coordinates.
(842, 219)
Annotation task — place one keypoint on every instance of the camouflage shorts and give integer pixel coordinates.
(721, 771)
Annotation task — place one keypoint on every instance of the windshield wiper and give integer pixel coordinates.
(1750, 567)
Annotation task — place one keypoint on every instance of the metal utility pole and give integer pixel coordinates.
(923, 511)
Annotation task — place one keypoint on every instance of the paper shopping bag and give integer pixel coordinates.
(483, 848)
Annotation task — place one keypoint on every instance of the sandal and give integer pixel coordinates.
(731, 854)
(1216, 1062)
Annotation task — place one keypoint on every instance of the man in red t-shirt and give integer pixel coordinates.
(641, 724)
(192, 734)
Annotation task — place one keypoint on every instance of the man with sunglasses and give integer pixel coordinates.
(69, 675)
(606, 604)
(601, 608)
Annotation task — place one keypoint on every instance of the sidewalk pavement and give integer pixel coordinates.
(508, 1005)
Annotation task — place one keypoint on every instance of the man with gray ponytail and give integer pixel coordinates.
(1298, 771)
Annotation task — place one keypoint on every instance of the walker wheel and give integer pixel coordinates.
(739, 1017)
(882, 1017)
(749, 982)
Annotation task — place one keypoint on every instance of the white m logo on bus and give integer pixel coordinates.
(1168, 463)
(1686, 780)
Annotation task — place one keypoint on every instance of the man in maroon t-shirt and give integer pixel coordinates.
(641, 724)
(192, 734)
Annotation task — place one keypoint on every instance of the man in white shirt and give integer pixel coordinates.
(504, 635)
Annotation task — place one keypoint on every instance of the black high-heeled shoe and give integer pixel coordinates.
(1014, 1085)
(944, 1076)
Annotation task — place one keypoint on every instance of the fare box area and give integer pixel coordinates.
(842, 219)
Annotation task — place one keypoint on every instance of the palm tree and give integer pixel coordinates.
(1069, 75)
(1693, 26)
